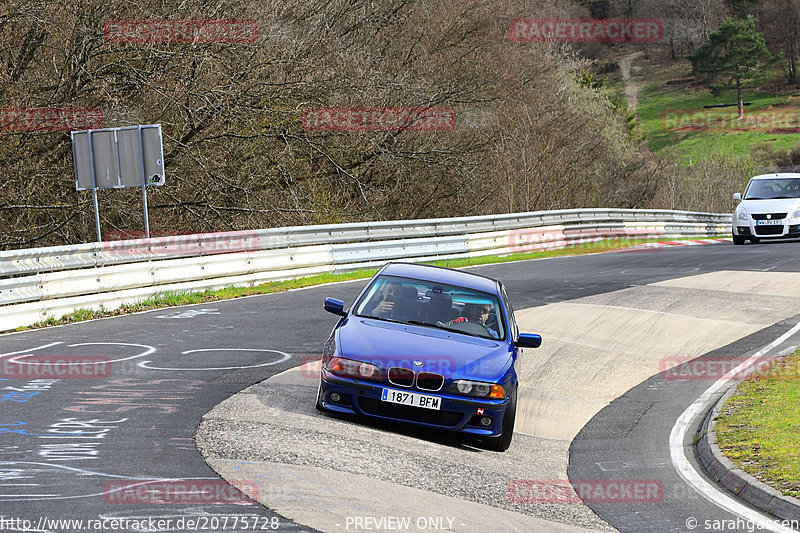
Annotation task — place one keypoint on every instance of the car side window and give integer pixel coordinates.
(512, 321)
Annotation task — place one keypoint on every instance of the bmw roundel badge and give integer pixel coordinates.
(417, 363)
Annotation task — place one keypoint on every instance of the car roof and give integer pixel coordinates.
(442, 275)
(776, 175)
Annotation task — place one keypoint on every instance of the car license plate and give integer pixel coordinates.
(411, 398)
(769, 222)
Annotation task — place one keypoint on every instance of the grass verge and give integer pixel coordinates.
(759, 426)
(178, 298)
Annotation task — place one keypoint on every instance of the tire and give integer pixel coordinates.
(503, 441)
(754, 241)
(737, 239)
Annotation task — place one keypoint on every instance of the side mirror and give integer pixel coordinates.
(529, 340)
(332, 305)
(736, 196)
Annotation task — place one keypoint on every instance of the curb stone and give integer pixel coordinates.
(735, 480)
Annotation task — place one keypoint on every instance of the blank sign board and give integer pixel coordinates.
(120, 157)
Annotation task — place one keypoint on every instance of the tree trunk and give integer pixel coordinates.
(739, 99)
(793, 60)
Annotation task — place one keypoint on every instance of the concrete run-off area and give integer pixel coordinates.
(325, 471)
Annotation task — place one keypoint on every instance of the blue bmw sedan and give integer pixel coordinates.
(428, 346)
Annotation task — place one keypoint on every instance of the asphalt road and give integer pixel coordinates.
(629, 439)
(77, 447)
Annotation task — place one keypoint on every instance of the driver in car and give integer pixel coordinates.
(383, 302)
(477, 313)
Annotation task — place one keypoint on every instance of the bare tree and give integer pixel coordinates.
(237, 155)
(781, 20)
(687, 23)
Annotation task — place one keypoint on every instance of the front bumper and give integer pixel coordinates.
(749, 229)
(457, 413)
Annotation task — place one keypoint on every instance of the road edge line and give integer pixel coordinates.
(687, 420)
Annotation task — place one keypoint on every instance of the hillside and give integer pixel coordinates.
(537, 125)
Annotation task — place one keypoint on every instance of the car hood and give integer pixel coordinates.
(780, 205)
(453, 355)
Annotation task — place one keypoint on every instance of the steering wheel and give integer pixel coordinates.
(475, 328)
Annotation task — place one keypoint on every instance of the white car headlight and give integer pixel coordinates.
(796, 213)
(477, 388)
(741, 214)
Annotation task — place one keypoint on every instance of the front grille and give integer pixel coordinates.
(402, 377)
(413, 414)
(769, 230)
(767, 216)
(429, 381)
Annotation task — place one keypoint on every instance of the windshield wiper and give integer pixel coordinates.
(381, 318)
(406, 322)
(444, 326)
(438, 325)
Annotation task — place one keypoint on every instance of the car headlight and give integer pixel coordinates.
(796, 213)
(478, 389)
(353, 369)
(741, 214)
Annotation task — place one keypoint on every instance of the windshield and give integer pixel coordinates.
(414, 301)
(768, 189)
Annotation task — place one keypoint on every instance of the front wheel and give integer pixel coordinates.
(738, 239)
(754, 241)
(503, 441)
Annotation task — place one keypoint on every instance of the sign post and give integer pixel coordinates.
(115, 158)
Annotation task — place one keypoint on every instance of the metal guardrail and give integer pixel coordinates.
(41, 282)
(37, 260)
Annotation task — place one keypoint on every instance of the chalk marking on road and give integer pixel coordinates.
(149, 350)
(285, 357)
(77, 471)
(613, 466)
(29, 349)
(684, 466)
(190, 313)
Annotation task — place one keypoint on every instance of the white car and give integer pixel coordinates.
(769, 209)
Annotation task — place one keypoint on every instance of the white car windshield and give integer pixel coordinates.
(426, 303)
(770, 189)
